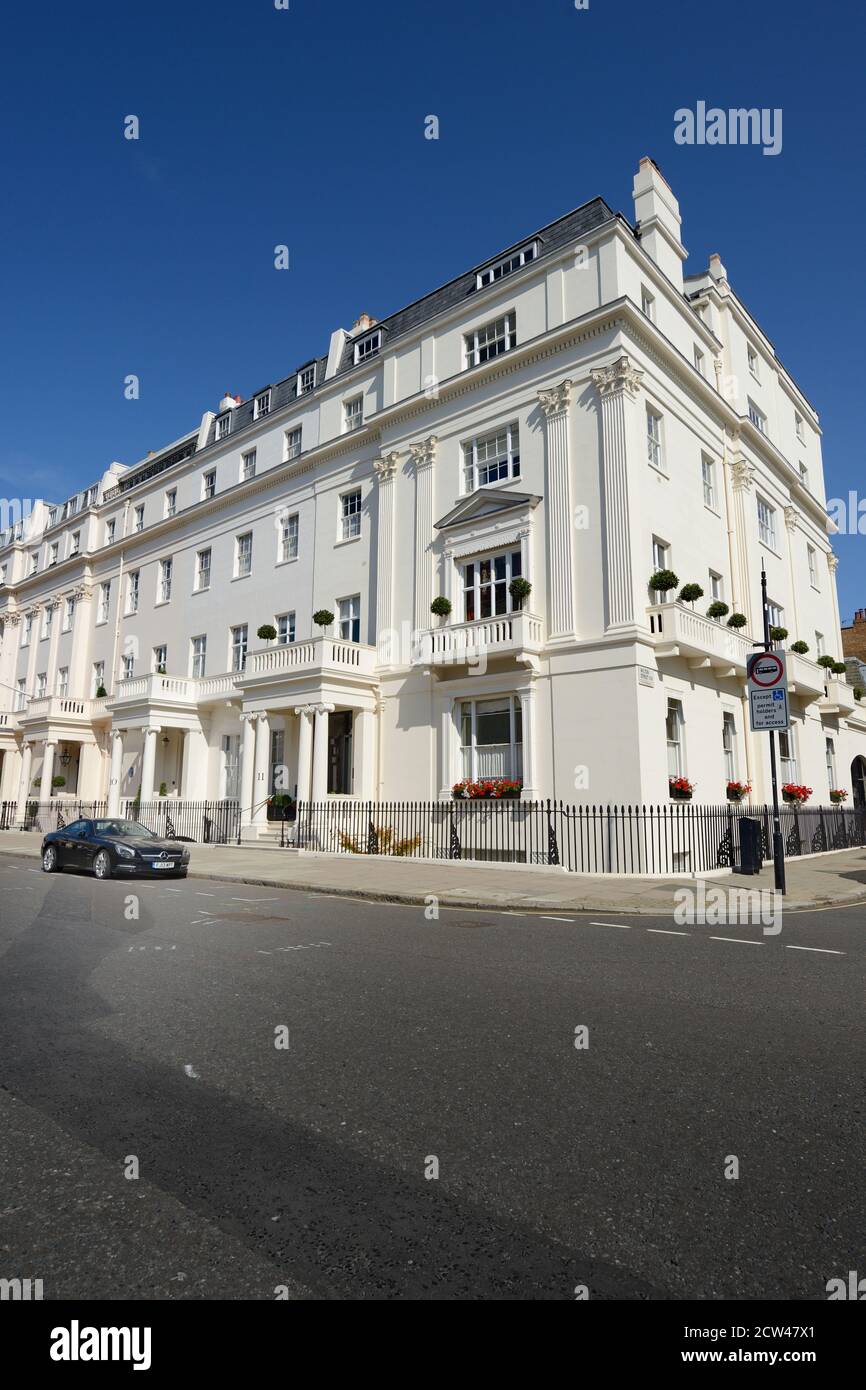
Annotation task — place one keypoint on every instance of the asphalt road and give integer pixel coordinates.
(302, 1169)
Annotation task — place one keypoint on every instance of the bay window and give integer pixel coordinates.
(486, 585)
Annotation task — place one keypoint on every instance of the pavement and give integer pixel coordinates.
(814, 881)
(469, 1105)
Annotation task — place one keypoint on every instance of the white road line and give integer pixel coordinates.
(741, 940)
(205, 895)
(174, 890)
(623, 926)
(556, 919)
(506, 913)
(662, 931)
(254, 900)
(822, 950)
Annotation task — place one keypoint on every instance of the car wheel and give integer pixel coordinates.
(102, 864)
(50, 863)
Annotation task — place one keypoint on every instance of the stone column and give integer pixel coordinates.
(527, 715)
(47, 770)
(305, 750)
(446, 749)
(791, 524)
(82, 626)
(560, 521)
(56, 622)
(148, 762)
(261, 778)
(248, 745)
(364, 754)
(832, 566)
(24, 782)
(320, 752)
(423, 456)
(193, 774)
(742, 478)
(115, 771)
(385, 469)
(617, 386)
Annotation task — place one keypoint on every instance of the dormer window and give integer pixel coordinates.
(490, 340)
(52, 553)
(262, 405)
(306, 379)
(491, 273)
(368, 346)
(223, 425)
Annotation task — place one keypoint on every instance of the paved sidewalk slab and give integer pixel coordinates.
(817, 881)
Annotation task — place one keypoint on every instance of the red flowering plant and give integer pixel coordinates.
(493, 789)
(680, 788)
(838, 795)
(737, 790)
(793, 792)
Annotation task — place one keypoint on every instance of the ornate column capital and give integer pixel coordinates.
(322, 708)
(832, 562)
(385, 467)
(791, 518)
(423, 454)
(742, 474)
(557, 400)
(620, 376)
(304, 709)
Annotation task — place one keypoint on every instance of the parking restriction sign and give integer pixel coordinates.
(768, 691)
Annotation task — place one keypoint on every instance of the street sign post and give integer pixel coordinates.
(768, 691)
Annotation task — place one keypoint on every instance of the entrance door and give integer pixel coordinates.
(340, 753)
(231, 771)
(858, 782)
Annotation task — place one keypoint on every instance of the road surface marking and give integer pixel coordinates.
(663, 931)
(254, 900)
(557, 919)
(741, 940)
(205, 895)
(822, 950)
(623, 926)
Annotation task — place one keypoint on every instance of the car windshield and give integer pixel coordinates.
(129, 829)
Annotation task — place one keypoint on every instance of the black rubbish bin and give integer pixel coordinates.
(751, 856)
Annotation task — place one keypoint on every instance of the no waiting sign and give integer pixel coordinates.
(768, 691)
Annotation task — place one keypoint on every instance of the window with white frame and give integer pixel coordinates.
(775, 613)
(767, 523)
(491, 458)
(47, 622)
(757, 417)
(306, 379)
(127, 666)
(208, 484)
(160, 659)
(490, 340)
(171, 502)
(350, 515)
(198, 647)
(138, 518)
(753, 361)
(647, 303)
(34, 561)
(353, 414)
(27, 631)
(63, 682)
(92, 494)
(75, 543)
(133, 591)
(700, 361)
(368, 346)
(68, 613)
(486, 585)
(729, 745)
(243, 554)
(788, 754)
(499, 269)
(708, 479)
(166, 568)
(285, 628)
(3, 572)
(674, 735)
(248, 465)
(52, 552)
(288, 536)
(238, 647)
(292, 446)
(350, 618)
(21, 694)
(262, 405)
(804, 475)
(104, 601)
(654, 438)
(41, 685)
(202, 569)
(830, 754)
(661, 553)
(223, 425)
(717, 586)
(820, 649)
(813, 565)
(52, 516)
(798, 427)
(110, 528)
(491, 738)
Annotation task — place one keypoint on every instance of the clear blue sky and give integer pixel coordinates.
(305, 127)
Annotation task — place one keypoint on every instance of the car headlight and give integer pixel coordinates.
(125, 851)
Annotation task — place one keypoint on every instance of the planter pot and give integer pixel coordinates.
(837, 800)
(736, 796)
(681, 796)
(792, 800)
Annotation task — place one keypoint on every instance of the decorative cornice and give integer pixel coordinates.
(557, 400)
(385, 467)
(619, 376)
(423, 454)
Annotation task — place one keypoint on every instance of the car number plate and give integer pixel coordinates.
(158, 865)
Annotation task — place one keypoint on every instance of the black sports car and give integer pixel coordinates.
(113, 846)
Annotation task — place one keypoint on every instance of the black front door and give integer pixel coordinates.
(858, 782)
(340, 752)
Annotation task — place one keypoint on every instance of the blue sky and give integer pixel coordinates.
(305, 127)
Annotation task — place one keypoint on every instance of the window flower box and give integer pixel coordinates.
(680, 788)
(738, 791)
(838, 796)
(794, 794)
(498, 789)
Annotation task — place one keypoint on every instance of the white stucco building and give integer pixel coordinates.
(572, 411)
